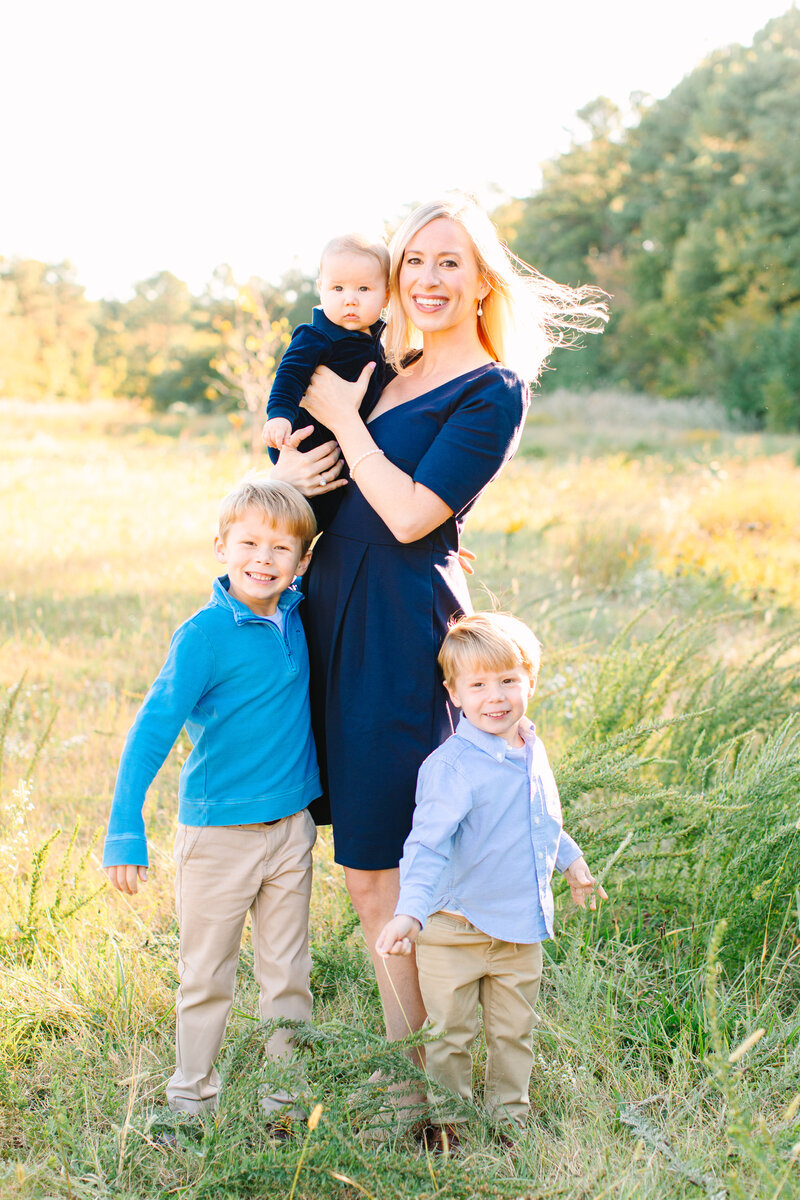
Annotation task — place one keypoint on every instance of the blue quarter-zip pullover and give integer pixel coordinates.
(240, 686)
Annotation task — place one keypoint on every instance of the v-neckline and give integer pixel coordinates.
(430, 392)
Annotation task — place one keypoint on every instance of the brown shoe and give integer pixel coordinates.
(506, 1139)
(442, 1140)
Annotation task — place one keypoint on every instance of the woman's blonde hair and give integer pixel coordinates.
(525, 314)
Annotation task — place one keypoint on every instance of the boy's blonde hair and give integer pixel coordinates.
(279, 502)
(356, 243)
(490, 642)
(525, 314)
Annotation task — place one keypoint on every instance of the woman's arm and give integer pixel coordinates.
(409, 509)
(478, 437)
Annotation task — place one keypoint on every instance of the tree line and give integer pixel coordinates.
(165, 345)
(687, 210)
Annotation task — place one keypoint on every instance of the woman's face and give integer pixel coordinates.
(439, 280)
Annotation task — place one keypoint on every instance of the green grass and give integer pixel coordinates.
(668, 699)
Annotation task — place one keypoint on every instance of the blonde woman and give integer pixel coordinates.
(385, 577)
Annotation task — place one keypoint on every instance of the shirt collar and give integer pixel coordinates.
(336, 333)
(492, 743)
(221, 596)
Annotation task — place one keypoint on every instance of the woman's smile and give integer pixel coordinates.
(440, 282)
(429, 303)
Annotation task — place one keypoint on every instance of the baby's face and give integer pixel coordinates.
(352, 289)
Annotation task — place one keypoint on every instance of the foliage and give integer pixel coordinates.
(674, 737)
(253, 343)
(688, 211)
(159, 347)
(47, 337)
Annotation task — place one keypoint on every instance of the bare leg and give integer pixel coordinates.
(374, 895)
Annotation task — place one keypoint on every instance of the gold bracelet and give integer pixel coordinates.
(361, 458)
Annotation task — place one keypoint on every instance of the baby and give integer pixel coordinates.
(344, 335)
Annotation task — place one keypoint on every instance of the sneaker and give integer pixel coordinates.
(506, 1139)
(171, 1130)
(164, 1139)
(443, 1140)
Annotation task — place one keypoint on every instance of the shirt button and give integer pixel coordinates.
(536, 820)
(540, 854)
(499, 756)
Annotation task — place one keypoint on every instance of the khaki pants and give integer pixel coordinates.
(460, 967)
(224, 872)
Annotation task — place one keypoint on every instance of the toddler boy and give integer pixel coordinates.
(475, 874)
(344, 335)
(237, 676)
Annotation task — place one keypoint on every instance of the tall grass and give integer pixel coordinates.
(668, 699)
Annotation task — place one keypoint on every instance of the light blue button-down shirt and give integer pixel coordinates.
(487, 836)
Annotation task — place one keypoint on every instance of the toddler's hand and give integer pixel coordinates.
(126, 878)
(276, 431)
(397, 935)
(582, 884)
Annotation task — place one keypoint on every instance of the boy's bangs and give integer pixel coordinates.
(280, 503)
(468, 660)
(488, 642)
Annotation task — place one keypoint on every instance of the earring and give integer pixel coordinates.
(480, 306)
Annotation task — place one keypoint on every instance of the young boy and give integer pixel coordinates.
(344, 335)
(476, 870)
(237, 676)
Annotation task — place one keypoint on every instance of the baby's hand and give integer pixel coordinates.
(397, 935)
(126, 878)
(582, 884)
(276, 431)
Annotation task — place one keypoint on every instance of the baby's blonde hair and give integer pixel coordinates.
(279, 502)
(491, 642)
(356, 243)
(525, 314)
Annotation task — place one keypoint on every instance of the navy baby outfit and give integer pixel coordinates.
(345, 351)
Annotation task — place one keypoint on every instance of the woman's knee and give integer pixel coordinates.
(373, 893)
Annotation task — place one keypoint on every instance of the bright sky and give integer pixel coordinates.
(180, 134)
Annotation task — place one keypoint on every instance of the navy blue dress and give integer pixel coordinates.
(377, 611)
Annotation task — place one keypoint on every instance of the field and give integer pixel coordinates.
(655, 550)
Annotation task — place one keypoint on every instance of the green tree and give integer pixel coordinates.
(46, 333)
(253, 342)
(690, 216)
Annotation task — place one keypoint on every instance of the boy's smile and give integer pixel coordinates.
(494, 701)
(262, 561)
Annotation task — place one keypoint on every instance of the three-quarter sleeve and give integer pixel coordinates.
(476, 439)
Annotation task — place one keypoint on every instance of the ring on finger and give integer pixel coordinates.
(322, 480)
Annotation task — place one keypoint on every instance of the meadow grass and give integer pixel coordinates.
(653, 549)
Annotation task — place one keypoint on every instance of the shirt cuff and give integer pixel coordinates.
(407, 907)
(127, 850)
(568, 852)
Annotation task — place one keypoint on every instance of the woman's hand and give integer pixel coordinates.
(331, 400)
(314, 473)
(466, 558)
